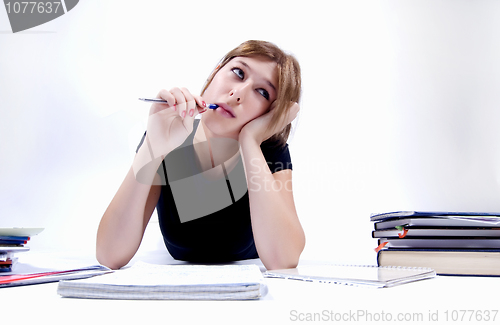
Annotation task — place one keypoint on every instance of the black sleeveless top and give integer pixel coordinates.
(222, 234)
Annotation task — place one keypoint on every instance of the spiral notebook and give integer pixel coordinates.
(356, 275)
(177, 282)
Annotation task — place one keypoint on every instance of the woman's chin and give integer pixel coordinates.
(221, 127)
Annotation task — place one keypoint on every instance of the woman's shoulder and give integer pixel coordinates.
(277, 155)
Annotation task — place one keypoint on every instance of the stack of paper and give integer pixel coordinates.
(452, 243)
(12, 280)
(12, 242)
(179, 282)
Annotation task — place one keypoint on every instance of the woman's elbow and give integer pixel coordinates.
(282, 264)
(287, 261)
(107, 258)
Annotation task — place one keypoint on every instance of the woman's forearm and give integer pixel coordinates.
(123, 224)
(279, 237)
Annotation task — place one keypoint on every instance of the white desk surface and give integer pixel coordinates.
(288, 301)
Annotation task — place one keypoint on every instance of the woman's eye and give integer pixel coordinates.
(264, 93)
(238, 72)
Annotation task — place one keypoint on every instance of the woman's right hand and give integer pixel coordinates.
(170, 124)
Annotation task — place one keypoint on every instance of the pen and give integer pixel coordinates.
(158, 100)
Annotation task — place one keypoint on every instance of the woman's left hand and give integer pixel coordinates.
(260, 128)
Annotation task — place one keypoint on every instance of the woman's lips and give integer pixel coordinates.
(225, 110)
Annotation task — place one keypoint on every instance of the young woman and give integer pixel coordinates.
(256, 87)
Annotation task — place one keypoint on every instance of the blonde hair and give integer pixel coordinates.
(289, 80)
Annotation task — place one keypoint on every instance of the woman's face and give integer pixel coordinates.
(244, 89)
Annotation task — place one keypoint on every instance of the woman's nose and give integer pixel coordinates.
(233, 94)
(238, 93)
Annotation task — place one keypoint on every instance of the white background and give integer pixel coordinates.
(400, 108)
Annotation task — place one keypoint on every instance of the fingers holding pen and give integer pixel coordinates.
(187, 104)
(171, 119)
(201, 106)
(190, 103)
(194, 104)
(165, 95)
(181, 101)
(175, 98)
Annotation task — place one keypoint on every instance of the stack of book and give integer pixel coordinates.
(451, 243)
(12, 242)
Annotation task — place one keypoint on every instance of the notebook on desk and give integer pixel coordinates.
(171, 282)
(356, 275)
